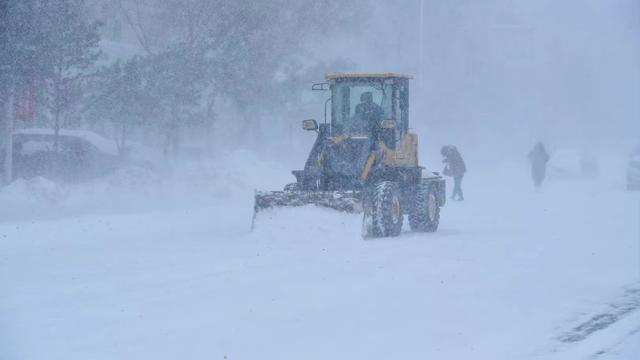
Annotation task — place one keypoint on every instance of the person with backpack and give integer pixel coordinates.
(455, 167)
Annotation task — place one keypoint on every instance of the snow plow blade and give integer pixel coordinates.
(347, 201)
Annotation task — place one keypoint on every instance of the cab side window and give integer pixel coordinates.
(404, 105)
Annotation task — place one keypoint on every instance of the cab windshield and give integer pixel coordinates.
(359, 106)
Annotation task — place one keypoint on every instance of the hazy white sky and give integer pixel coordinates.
(566, 72)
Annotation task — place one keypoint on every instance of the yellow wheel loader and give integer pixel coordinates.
(365, 159)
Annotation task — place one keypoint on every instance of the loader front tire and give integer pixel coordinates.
(425, 210)
(385, 210)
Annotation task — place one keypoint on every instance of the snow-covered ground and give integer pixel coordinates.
(150, 269)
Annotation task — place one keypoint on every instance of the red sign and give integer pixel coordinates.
(25, 103)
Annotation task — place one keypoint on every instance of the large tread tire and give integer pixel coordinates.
(385, 210)
(425, 210)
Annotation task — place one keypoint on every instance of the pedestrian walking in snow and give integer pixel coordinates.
(539, 158)
(455, 167)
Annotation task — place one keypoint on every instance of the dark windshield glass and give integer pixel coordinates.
(360, 106)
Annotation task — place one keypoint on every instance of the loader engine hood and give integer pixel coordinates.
(344, 158)
(335, 162)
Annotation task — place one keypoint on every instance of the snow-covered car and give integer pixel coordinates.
(633, 170)
(81, 155)
(572, 164)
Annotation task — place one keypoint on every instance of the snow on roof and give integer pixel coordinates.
(114, 50)
(103, 144)
(334, 76)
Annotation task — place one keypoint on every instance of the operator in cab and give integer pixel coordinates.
(367, 117)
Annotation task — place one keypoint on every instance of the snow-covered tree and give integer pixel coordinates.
(248, 47)
(46, 42)
(71, 47)
(118, 96)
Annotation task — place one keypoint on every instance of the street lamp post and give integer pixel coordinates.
(421, 59)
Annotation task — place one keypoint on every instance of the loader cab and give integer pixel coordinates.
(366, 105)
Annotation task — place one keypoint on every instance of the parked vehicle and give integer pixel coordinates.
(633, 170)
(573, 164)
(81, 155)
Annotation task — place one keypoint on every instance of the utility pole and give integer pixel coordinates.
(7, 111)
(421, 59)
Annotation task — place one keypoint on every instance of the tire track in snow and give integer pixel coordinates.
(606, 351)
(629, 302)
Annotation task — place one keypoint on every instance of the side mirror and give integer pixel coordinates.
(320, 87)
(310, 124)
(388, 124)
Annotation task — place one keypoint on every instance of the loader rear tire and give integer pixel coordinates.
(425, 210)
(385, 210)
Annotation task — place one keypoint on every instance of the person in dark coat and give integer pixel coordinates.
(539, 158)
(455, 167)
(368, 110)
(367, 117)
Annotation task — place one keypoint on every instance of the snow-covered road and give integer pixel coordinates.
(510, 272)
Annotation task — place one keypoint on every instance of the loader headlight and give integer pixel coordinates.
(310, 125)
